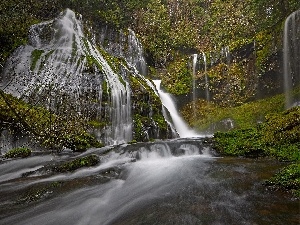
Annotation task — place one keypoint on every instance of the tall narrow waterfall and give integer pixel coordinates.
(180, 125)
(206, 78)
(195, 57)
(291, 57)
(62, 70)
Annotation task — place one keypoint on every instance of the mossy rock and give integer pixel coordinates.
(75, 164)
(18, 153)
(81, 142)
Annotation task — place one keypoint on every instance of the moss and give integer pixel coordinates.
(178, 80)
(51, 130)
(87, 161)
(35, 56)
(287, 179)
(97, 123)
(18, 152)
(244, 116)
(278, 137)
(244, 142)
(138, 133)
(160, 121)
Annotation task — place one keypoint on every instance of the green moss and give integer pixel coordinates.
(287, 178)
(87, 161)
(49, 129)
(279, 137)
(138, 127)
(178, 80)
(244, 142)
(35, 56)
(160, 121)
(244, 116)
(97, 123)
(18, 152)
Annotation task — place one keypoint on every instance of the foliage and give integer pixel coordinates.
(232, 84)
(18, 152)
(287, 178)
(16, 18)
(179, 78)
(75, 164)
(279, 136)
(243, 116)
(154, 31)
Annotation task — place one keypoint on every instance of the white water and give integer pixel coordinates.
(71, 67)
(291, 57)
(195, 58)
(206, 78)
(158, 188)
(179, 124)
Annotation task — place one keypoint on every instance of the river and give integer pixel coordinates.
(180, 181)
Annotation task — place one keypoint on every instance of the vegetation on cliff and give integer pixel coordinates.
(169, 30)
(49, 129)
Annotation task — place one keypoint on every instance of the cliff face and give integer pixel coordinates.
(76, 72)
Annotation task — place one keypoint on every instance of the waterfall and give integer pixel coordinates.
(63, 71)
(206, 78)
(135, 55)
(206, 84)
(124, 44)
(180, 125)
(195, 57)
(291, 57)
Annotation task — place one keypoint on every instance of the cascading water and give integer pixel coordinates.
(291, 58)
(59, 63)
(135, 55)
(206, 78)
(171, 183)
(195, 61)
(195, 58)
(180, 126)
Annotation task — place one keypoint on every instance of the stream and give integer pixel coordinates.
(180, 181)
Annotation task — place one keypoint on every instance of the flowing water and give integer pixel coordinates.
(64, 71)
(206, 78)
(173, 182)
(180, 125)
(291, 58)
(195, 59)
